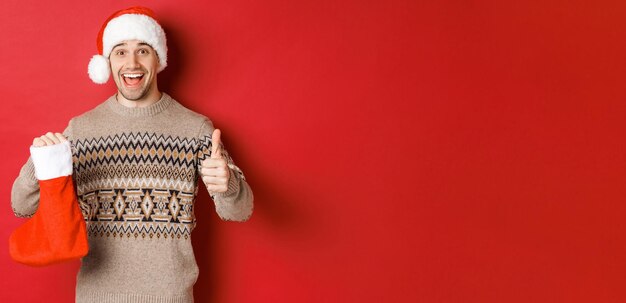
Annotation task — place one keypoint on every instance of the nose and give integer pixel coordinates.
(133, 61)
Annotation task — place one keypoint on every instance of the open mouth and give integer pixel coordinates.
(132, 79)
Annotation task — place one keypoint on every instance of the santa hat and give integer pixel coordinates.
(128, 24)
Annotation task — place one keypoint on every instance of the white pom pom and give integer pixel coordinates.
(98, 69)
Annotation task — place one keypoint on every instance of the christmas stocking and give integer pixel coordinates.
(57, 231)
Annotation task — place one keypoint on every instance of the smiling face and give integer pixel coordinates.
(134, 66)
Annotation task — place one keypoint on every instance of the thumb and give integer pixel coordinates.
(215, 151)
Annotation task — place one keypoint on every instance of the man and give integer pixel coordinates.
(137, 158)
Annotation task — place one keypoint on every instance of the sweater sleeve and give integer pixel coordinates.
(25, 190)
(236, 204)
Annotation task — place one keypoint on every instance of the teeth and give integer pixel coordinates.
(132, 75)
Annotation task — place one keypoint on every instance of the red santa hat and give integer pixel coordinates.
(128, 24)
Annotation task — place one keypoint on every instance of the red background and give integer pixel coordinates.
(399, 151)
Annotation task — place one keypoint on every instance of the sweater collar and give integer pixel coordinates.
(150, 110)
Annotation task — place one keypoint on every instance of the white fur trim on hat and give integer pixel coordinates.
(98, 69)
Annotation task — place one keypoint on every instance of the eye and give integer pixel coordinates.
(119, 53)
(143, 51)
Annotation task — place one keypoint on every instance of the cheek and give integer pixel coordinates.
(152, 63)
(114, 68)
(153, 68)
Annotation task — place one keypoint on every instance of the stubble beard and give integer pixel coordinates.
(134, 95)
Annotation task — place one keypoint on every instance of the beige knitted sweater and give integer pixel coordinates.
(136, 175)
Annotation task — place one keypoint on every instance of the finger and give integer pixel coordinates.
(214, 171)
(213, 163)
(37, 142)
(215, 151)
(216, 188)
(60, 137)
(214, 180)
(52, 137)
(207, 172)
(47, 140)
(209, 162)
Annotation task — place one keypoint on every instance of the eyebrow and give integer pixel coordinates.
(119, 44)
(124, 43)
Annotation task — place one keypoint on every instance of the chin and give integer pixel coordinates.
(135, 95)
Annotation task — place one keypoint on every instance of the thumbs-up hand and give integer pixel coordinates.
(214, 170)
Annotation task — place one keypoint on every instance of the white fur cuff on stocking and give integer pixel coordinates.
(52, 161)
